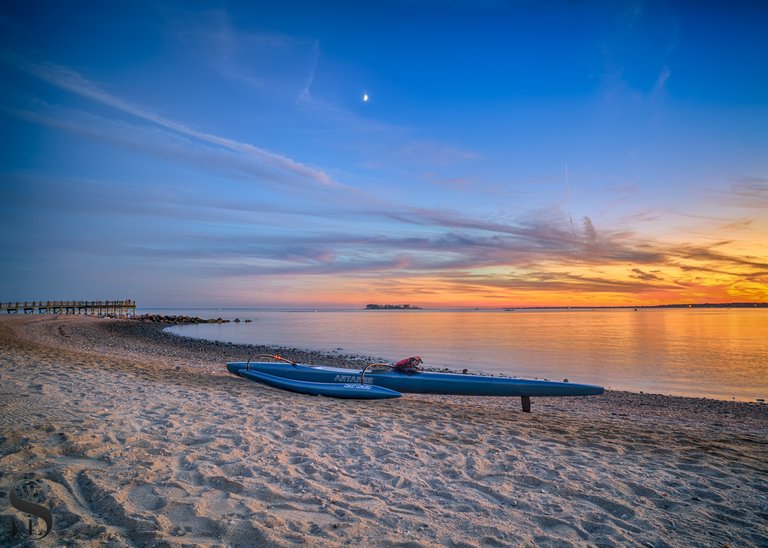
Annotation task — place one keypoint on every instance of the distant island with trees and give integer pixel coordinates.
(391, 307)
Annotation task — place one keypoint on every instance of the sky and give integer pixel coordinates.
(334, 154)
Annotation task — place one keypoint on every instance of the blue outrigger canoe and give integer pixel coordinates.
(322, 380)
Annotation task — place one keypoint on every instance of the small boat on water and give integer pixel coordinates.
(350, 383)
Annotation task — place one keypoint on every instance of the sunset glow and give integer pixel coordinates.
(513, 155)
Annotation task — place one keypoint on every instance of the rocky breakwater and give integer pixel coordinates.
(174, 319)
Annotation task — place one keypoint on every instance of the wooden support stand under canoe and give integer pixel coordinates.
(526, 403)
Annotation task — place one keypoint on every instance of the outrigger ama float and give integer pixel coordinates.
(379, 381)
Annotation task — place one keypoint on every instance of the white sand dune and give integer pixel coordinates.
(140, 439)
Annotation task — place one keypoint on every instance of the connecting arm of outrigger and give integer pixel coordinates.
(273, 356)
(371, 365)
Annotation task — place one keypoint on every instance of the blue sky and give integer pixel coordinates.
(509, 153)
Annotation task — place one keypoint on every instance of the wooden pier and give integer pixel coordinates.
(92, 308)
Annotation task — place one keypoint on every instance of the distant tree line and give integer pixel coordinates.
(391, 307)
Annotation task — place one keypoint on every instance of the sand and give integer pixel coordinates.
(133, 437)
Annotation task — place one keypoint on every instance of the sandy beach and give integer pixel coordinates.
(134, 437)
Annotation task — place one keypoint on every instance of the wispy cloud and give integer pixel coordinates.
(751, 192)
(70, 80)
(660, 87)
(267, 61)
(646, 276)
(713, 255)
(306, 94)
(156, 141)
(437, 153)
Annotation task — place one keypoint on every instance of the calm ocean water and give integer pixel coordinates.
(716, 353)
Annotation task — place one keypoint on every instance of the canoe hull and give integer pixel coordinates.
(420, 383)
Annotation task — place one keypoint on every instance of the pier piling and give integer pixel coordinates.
(125, 307)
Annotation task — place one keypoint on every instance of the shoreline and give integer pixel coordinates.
(141, 436)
